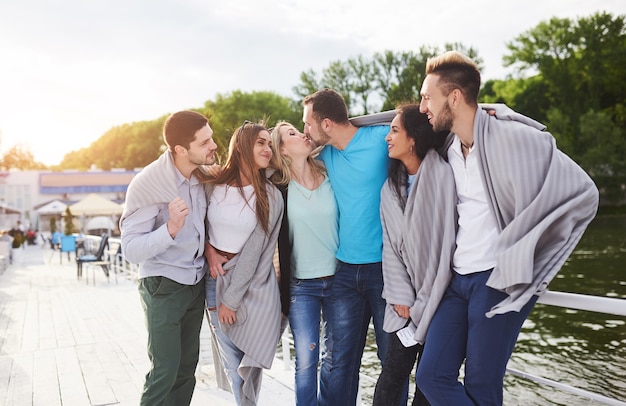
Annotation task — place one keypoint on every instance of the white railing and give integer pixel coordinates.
(589, 303)
(121, 266)
(577, 301)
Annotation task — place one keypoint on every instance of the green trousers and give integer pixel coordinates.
(173, 315)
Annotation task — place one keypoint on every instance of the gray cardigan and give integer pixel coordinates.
(156, 183)
(418, 242)
(541, 199)
(250, 287)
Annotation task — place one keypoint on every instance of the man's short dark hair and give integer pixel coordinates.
(327, 103)
(180, 128)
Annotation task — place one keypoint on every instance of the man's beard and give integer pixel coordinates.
(207, 160)
(323, 138)
(444, 119)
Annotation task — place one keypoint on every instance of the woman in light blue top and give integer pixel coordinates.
(307, 245)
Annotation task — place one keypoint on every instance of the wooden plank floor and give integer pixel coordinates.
(67, 342)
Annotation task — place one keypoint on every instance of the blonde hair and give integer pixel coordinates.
(282, 163)
(456, 71)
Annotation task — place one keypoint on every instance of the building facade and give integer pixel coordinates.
(23, 192)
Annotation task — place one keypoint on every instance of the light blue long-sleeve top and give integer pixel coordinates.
(146, 241)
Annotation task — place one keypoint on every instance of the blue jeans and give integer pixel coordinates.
(230, 354)
(460, 331)
(309, 300)
(356, 297)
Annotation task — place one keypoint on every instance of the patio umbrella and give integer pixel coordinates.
(95, 205)
(100, 223)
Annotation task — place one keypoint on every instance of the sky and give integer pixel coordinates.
(72, 69)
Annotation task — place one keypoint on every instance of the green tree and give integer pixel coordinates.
(377, 83)
(18, 240)
(400, 77)
(142, 143)
(339, 76)
(578, 85)
(21, 158)
(69, 222)
(79, 159)
(309, 83)
(229, 110)
(525, 95)
(126, 146)
(580, 60)
(603, 151)
(365, 73)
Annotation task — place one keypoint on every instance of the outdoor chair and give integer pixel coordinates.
(108, 259)
(55, 240)
(86, 258)
(68, 244)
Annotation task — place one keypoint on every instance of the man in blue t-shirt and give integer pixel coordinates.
(356, 161)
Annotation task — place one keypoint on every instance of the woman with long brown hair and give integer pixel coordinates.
(244, 216)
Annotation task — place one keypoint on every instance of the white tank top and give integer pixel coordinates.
(231, 219)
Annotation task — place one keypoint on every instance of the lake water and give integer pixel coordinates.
(578, 348)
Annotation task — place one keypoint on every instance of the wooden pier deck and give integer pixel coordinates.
(67, 342)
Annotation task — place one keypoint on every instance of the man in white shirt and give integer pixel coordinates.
(522, 207)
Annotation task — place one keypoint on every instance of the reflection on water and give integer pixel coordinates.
(583, 349)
